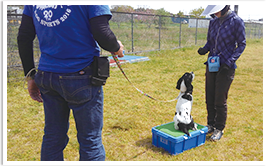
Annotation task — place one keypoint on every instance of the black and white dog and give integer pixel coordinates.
(183, 120)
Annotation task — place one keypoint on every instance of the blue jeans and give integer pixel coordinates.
(62, 92)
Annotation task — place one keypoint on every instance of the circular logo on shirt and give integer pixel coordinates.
(212, 60)
(51, 15)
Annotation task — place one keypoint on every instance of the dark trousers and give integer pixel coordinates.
(217, 87)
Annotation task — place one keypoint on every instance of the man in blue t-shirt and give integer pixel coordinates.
(69, 39)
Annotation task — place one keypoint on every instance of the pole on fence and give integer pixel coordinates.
(180, 32)
(132, 36)
(159, 30)
(236, 9)
(196, 31)
(255, 30)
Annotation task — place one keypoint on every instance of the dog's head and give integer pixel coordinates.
(184, 84)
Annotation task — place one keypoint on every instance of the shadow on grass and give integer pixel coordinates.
(147, 143)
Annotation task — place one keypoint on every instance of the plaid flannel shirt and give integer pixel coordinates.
(226, 39)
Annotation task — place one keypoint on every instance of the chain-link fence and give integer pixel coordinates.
(138, 33)
(14, 66)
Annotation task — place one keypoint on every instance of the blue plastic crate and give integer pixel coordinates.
(177, 144)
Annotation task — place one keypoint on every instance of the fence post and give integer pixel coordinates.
(196, 31)
(248, 25)
(159, 30)
(260, 30)
(132, 35)
(180, 33)
(255, 31)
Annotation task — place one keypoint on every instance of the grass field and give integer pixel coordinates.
(130, 116)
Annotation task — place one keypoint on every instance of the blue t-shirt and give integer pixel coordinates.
(65, 39)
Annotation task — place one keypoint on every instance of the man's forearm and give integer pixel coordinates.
(103, 34)
(25, 39)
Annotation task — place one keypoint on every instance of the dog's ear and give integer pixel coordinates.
(187, 97)
(178, 86)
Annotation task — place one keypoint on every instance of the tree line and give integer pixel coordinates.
(194, 13)
(148, 16)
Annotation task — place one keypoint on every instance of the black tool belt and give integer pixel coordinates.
(100, 67)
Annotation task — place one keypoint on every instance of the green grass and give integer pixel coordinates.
(130, 116)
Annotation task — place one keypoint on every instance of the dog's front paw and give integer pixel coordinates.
(195, 126)
(176, 126)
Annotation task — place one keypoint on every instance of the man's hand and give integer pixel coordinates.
(120, 52)
(34, 91)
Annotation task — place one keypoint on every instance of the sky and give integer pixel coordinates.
(246, 9)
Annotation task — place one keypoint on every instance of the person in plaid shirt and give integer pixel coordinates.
(226, 38)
